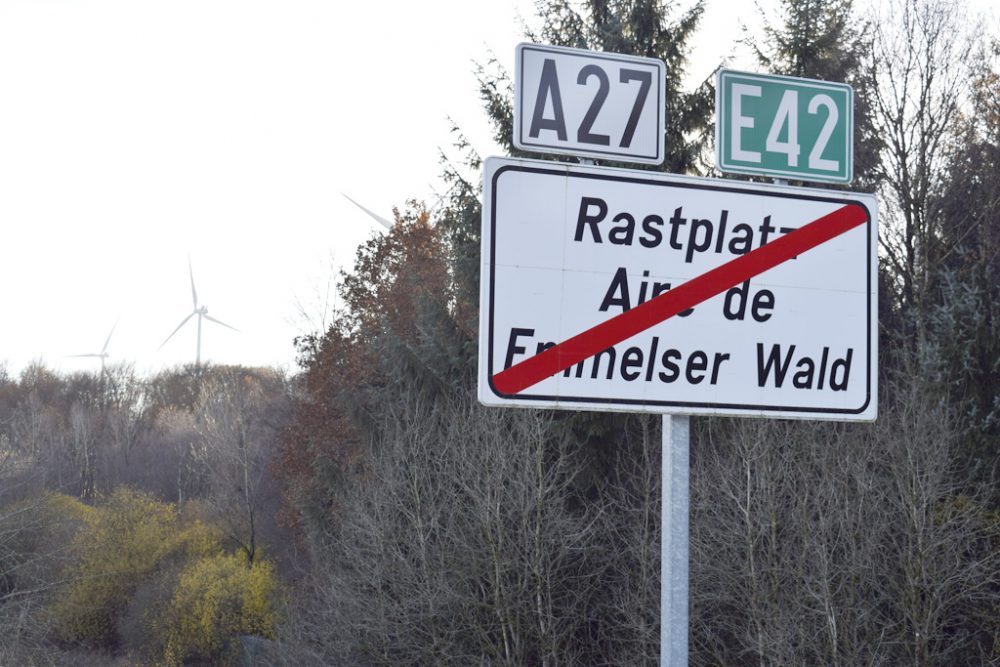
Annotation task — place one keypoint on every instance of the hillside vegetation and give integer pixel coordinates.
(368, 511)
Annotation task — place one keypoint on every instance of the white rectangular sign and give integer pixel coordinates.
(610, 289)
(589, 103)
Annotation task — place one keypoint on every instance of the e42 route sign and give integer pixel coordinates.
(612, 289)
(784, 127)
(588, 103)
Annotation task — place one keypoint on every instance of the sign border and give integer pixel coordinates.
(487, 293)
(722, 166)
(519, 100)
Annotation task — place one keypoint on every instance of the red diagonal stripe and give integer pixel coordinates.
(584, 345)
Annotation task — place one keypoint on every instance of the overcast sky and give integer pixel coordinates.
(137, 133)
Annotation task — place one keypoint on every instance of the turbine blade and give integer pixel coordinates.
(183, 322)
(212, 319)
(194, 294)
(92, 354)
(105, 348)
(379, 219)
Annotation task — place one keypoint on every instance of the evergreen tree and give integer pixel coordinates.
(824, 39)
(645, 28)
(964, 320)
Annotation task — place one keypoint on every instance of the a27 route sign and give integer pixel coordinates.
(782, 126)
(610, 289)
(587, 103)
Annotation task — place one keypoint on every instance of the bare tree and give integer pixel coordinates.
(919, 68)
(943, 566)
(238, 417)
(127, 408)
(841, 545)
(455, 546)
(32, 425)
(33, 541)
(626, 539)
(82, 442)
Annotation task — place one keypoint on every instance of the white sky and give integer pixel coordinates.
(134, 133)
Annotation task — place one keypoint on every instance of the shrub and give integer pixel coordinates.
(217, 599)
(121, 542)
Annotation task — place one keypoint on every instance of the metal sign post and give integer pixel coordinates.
(674, 520)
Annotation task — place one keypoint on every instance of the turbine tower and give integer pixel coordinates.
(202, 313)
(103, 354)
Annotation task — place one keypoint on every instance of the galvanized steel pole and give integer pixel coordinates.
(674, 542)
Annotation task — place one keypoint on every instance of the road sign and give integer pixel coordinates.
(784, 127)
(610, 289)
(588, 103)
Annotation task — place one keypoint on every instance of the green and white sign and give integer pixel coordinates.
(784, 127)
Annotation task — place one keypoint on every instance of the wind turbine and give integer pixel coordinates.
(103, 354)
(375, 216)
(201, 312)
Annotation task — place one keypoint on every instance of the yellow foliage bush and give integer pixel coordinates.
(67, 507)
(121, 543)
(146, 580)
(216, 599)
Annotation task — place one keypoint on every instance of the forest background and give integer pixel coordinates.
(367, 511)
